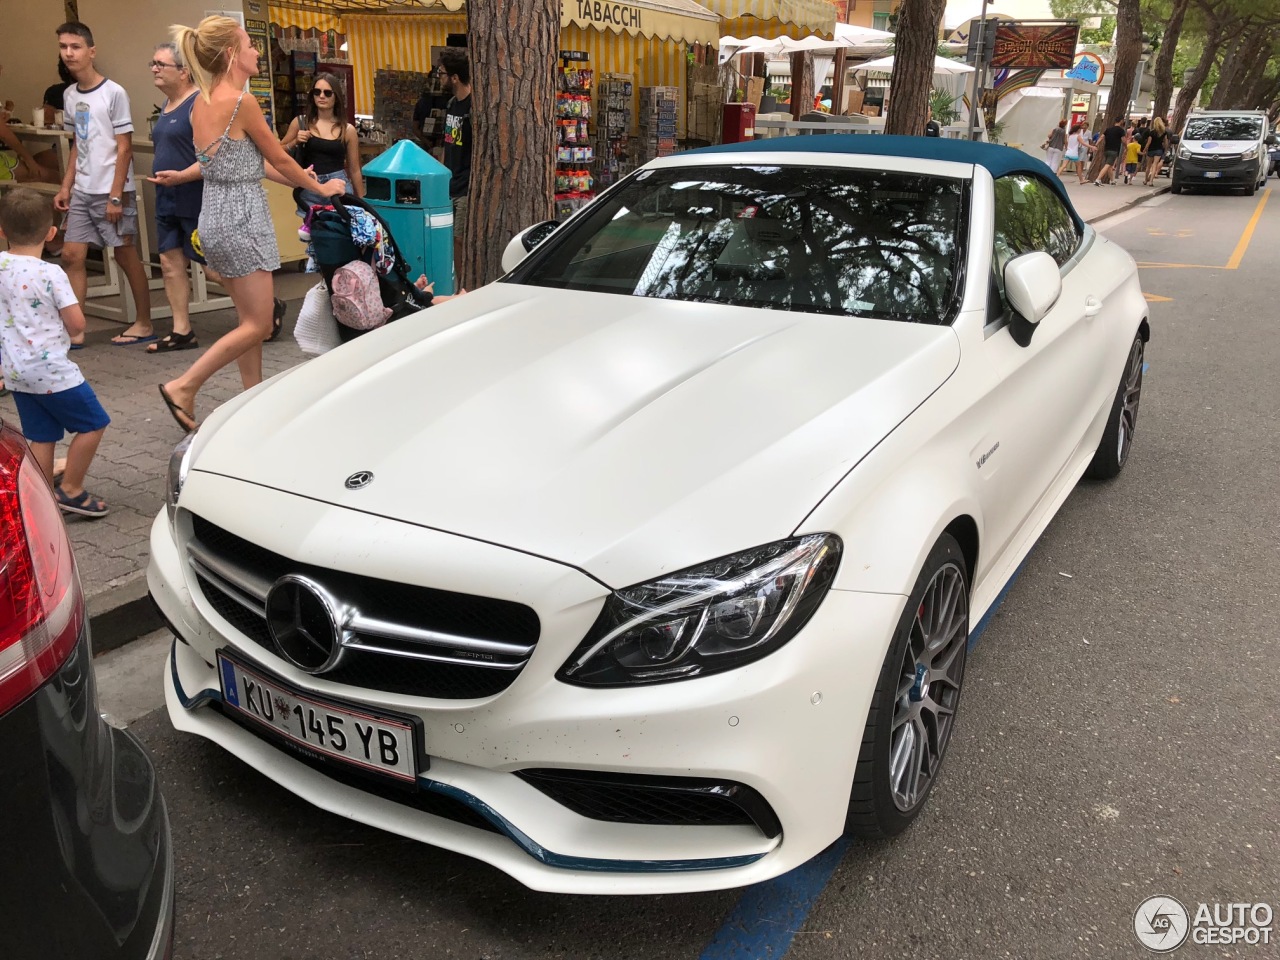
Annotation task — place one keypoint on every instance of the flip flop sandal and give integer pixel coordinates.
(178, 412)
(85, 505)
(132, 340)
(174, 341)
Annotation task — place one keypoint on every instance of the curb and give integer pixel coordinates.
(122, 614)
(1126, 206)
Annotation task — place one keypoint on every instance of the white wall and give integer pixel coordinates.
(28, 51)
(126, 32)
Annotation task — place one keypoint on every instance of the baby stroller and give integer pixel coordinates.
(333, 247)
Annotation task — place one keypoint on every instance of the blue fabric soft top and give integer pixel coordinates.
(999, 161)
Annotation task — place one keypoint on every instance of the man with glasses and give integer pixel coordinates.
(455, 75)
(98, 194)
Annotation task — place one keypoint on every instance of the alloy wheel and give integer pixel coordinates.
(928, 687)
(1129, 402)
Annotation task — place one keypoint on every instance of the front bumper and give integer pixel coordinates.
(789, 726)
(1204, 170)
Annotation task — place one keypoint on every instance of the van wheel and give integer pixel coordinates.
(914, 708)
(1175, 186)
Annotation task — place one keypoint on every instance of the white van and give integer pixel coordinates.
(1223, 148)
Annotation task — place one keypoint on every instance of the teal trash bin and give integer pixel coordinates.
(410, 190)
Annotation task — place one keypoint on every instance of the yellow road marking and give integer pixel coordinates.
(1243, 245)
(1237, 255)
(1156, 298)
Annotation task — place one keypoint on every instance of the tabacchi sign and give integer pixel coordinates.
(1039, 45)
(606, 14)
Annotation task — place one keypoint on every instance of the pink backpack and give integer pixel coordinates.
(356, 300)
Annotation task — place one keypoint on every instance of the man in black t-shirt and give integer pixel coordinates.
(1112, 142)
(931, 126)
(456, 77)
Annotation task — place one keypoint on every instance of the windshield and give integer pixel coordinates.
(1224, 128)
(813, 239)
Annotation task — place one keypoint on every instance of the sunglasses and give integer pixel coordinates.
(322, 93)
(160, 64)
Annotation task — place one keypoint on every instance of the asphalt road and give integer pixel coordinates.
(1118, 735)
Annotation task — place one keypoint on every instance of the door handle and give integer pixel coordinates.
(1092, 306)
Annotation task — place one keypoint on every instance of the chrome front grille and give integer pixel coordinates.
(399, 638)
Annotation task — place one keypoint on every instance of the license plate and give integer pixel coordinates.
(368, 740)
(1212, 174)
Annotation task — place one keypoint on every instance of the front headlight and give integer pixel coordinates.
(179, 462)
(1184, 153)
(1250, 154)
(709, 618)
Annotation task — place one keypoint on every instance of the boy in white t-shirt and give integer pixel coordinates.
(38, 315)
(98, 193)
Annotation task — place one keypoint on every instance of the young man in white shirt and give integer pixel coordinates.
(98, 193)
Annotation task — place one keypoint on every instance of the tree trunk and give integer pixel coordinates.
(1250, 80)
(1164, 60)
(801, 84)
(1128, 51)
(514, 49)
(1191, 89)
(1233, 59)
(915, 46)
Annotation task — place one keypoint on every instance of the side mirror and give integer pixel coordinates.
(1032, 285)
(522, 243)
(1271, 140)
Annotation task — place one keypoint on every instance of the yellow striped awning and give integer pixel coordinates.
(771, 19)
(378, 42)
(304, 17)
(683, 21)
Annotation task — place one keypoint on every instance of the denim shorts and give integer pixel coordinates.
(45, 417)
(318, 200)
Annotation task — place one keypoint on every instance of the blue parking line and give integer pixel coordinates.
(768, 915)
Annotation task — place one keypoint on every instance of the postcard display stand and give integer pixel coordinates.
(657, 122)
(613, 128)
(395, 94)
(574, 153)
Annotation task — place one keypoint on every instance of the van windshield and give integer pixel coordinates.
(1224, 128)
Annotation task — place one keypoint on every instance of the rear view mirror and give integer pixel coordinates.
(1032, 285)
(522, 243)
(1271, 140)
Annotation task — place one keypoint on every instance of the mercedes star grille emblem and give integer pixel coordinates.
(361, 479)
(304, 622)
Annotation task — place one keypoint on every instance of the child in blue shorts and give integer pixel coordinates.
(39, 314)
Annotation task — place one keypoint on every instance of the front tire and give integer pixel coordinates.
(1175, 185)
(913, 711)
(1117, 438)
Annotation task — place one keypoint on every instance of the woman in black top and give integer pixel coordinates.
(328, 143)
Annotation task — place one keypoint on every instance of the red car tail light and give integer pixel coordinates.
(41, 606)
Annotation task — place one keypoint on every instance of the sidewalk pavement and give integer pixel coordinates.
(132, 462)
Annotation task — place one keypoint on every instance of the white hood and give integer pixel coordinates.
(622, 435)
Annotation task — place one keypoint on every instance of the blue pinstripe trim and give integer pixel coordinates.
(506, 827)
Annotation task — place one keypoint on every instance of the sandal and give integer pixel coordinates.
(277, 319)
(178, 412)
(174, 341)
(85, 505)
